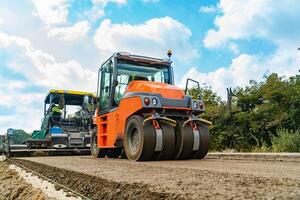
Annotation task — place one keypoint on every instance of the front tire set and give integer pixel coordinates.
(174, 143)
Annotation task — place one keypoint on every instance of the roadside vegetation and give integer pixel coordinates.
(263, 116)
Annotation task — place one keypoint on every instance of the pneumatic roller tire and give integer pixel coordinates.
(168, 144)
(95, 151)
(139, 140)
(204, 141)
(184, 141)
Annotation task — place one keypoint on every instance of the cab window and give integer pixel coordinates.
(105, 85)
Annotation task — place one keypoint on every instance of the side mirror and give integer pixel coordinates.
(187, 84)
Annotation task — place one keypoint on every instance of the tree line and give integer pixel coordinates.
(263, 116)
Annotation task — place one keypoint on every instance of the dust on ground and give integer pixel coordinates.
(14, 187)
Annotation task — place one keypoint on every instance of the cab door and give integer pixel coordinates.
(104, 87)
(105, 121)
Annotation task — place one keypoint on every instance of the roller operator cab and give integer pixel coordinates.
(141, 112)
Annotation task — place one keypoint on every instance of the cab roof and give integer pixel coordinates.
(139, 58)
(71, 97)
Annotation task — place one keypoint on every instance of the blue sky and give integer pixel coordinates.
(61, 44)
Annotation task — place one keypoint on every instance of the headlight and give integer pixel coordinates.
(195, 105)
(154, 101)
(201, 105)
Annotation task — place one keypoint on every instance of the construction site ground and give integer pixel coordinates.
(216, 177)
(14, 187)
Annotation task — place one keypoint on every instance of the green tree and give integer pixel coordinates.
(259, 110)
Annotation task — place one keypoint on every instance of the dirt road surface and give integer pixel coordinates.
(190, 179)
(14, 187)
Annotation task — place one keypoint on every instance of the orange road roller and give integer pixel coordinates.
(141, 115)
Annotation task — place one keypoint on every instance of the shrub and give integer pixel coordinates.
(286, 141)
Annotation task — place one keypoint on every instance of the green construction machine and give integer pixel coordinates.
(66, 124)
(2, 138)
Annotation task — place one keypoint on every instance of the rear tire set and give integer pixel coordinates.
(97, 152)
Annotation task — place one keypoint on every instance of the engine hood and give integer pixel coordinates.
(165, 90)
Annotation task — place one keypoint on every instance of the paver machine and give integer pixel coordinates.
(2, 138)
(67, 121)
(142, 114)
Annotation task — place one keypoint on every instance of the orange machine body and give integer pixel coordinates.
(142, 115)
(141, 85)
(166, 90)
(111, 126)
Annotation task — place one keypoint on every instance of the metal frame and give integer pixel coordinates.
(145, 58)
(186, 85)
(111, 89)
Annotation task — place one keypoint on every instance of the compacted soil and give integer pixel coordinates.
(191, 179)
(14, 187)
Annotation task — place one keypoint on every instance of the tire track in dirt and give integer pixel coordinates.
(95, 187)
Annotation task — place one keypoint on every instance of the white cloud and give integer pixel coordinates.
(45, 70)
(277, 21)
(41, 70)
(1, 22)
(274, 21)
(106, 1)
(27, 105)
(244, 68)
(52, 12)
(208, 9)
(153, 38)
(71, 33)
(99, 6)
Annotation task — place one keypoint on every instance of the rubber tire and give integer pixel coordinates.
(204, 141)
(147, 139)
(184, 141)
(168, 148)
(95, 152)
